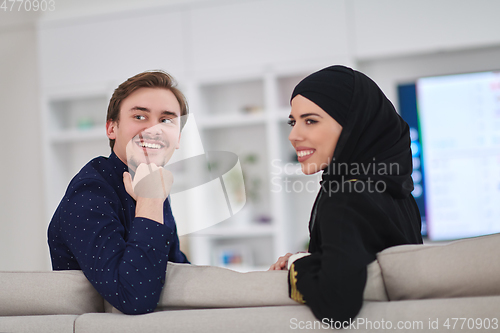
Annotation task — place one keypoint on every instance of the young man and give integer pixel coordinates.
(118, 232)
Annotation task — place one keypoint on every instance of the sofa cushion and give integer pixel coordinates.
(38, 324)
(374, 288)
(459, 315)
(46, 293)
(468, 267)
(190, 286)
(431, 315)
(273, 319)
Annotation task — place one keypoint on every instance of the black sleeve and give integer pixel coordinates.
(331, 281)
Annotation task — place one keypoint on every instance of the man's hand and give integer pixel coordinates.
(281, 264)
(150, 181)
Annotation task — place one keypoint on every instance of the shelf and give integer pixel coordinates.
(243, 231)
(232, 102)
(77, 135)
(230, 121)
(246, 268)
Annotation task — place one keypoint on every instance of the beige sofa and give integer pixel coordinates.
(410, 288)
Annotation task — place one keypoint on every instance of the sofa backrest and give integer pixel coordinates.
(205, 287)
(463, 268)
(190, 286)
(375, 287)
(47, 293)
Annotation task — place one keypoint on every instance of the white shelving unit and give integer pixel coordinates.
(73, 120)
(239, 92)
(246, 115)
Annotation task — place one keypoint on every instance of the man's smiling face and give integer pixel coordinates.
(148, 129)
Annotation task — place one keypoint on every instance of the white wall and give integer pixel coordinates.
(269, 34)
(390, 40)
(399, 41)
(110, 49)
(391, 71)
(404, 27)
(22, 229)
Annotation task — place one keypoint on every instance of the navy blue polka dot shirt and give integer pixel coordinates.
(94, 229)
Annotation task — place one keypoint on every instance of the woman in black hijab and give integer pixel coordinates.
(345, 126)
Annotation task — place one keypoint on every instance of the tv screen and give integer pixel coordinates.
(455, 133)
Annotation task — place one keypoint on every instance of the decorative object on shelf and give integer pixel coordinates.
(235, 186)
(252, 183)
(233, 256)
(246, 192)
(252, 109)
(85, 123)
(264, 219)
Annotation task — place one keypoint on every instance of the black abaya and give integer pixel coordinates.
(365, 203)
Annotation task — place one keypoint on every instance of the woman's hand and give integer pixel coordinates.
(281, 264)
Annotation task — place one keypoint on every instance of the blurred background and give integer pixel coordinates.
(238, 61)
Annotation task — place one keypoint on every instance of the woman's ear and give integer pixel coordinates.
(111, 129)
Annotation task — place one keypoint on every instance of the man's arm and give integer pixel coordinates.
(150, 188)
(150, 208)
(156, 187)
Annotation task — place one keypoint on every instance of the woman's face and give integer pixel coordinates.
(314, 134)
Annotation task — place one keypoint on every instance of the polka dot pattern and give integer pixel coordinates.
(94, 229)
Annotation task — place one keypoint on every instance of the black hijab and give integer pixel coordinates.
(348, 228)
(375, 142)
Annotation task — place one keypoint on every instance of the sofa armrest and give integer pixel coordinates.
(464, 268)
(47, 293)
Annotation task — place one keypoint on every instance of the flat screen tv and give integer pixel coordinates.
(455, 133)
